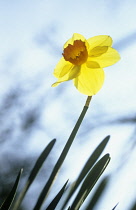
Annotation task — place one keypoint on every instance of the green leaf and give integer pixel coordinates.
(91, 161)
(57, 198)
(115, 206)
(34, 172)
(90, 181)
(8, 202)
(97, 194)
(134, 206)
(40, 161)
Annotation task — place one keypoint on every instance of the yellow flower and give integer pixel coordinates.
(83, 62)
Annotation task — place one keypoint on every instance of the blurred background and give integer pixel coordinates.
(32, 34)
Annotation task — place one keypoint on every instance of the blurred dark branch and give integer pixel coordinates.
(131, 119)
(125, 41)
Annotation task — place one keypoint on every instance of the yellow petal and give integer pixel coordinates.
(62, 68)
(55, 84)
(75, 36)
(90, 81)
(97, 51)
(73, 72)
(101, 40)
(92, 64)
(108, 58)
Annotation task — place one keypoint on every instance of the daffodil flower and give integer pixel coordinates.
(83, 62)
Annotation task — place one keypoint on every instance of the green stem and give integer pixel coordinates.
(62, 156)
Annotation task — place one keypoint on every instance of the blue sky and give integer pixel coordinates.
(32, 36)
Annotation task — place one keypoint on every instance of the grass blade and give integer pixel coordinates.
(34, 172)
(115, 206)
(9, 200)
(40, 161)
(57, 198)
(97, 194)
(134, 206)
(90, 181)
(91, 161)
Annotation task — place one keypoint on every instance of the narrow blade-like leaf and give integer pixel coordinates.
(57, 198)
(97, 194)
(115, 206)
(8, 202)
(90, 181)
(91, 161)
(40, 161)
(134, 206)
(34, 172)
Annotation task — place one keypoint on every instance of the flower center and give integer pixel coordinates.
(77, 53)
